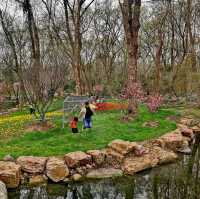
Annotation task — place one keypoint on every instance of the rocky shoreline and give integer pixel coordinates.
(117, 159)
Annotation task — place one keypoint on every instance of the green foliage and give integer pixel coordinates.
(107, 127)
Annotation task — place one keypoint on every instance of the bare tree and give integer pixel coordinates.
(74, 14)
(42, 71)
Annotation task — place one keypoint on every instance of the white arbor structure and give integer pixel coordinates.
(72, 104)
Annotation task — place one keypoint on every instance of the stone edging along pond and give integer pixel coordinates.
(117, 159)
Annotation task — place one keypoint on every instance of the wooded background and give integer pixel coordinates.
(83, 46)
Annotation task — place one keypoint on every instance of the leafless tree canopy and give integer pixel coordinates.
(48, 44)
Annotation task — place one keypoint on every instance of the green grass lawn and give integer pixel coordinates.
(107, 126)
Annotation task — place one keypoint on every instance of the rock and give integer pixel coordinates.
(37, 180)
(196, 130)
(113, 156)
(133, 165)
(24, 179)
(104, 173)
(9, 158)
(26, 175)
(88, 166)
(10, 174)
(3, 191)
(186, 151)
(66, 180)
(189, 122)
(56, 169)
(45, 177)
(77, 177)
(185, 131)
(78, 158)
(151, 124)
(158, 142)
(98, 156)
(173, 141)
(33, 165)
(122, 147)
(72, 172)
(140, 150)
(163, 156)
(81, 170)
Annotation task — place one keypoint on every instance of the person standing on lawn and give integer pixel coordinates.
(86, 114)
(74, 125)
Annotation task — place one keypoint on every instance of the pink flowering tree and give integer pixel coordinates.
(2, 98)
(98, 89)
(154, 102)
(135, 95)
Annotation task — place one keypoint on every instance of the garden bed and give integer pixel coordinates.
(110, 106)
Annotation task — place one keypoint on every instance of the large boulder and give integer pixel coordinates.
(117, 150)
(158, 142)
(56, 169)
(32, 165)
(122, 147)
(163, 156)
(3, 191)
(113, 157)
(104, 173)
(37, 180)
(78, 158)
(134, 164)
(196, 130)
(174, 140)
(98, 156)
(10, 174)
(185, 131)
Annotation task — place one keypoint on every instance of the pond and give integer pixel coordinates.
(175, 181)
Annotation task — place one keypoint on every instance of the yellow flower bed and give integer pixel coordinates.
(55, 113)
(14, 125)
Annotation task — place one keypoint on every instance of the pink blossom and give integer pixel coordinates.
(154, 102)
(2, 98)
(134, 92)
(98, 88)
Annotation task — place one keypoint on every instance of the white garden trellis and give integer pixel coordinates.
(72, 104)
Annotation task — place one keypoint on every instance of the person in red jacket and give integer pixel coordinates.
(74, 125)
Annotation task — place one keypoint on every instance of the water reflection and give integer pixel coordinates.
(175, 181)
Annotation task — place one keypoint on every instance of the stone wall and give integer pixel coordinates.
(118, 158)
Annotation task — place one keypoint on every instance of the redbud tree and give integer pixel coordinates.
(154, 102)
(135, 95)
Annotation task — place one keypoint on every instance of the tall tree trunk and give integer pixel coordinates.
(172, 35)
(131, 21)
(158, 60)
(78, 47)
(191, 42)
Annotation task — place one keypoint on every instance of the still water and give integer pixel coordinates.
(175, 181)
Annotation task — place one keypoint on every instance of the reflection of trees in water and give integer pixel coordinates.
(181, 182)
(105, 189)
